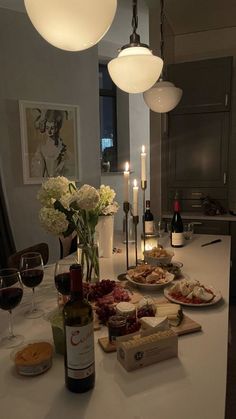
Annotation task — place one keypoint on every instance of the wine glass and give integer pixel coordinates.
(160, 227)
(62, 280)
(31, 269)
(11, 292)
(188, 231)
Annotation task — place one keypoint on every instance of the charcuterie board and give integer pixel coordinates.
(187, 326)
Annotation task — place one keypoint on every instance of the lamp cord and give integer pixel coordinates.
(135, 16)
(162, 35)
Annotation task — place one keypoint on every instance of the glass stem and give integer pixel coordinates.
(32, 302)
(10, 325)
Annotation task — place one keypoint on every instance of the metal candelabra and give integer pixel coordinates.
(136, 221)
(126, 208)
(144, 187)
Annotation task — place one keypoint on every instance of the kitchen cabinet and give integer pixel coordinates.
(206, 85)
(198, 150)
(196, 141)
(233, 262)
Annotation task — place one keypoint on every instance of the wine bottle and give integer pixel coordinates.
(177, 235)
(79, 337)
(148, 219)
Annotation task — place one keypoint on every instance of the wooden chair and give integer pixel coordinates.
(14, 260)
(68, 245)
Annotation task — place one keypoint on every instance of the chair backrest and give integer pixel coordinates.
(68, 245)
(14, 260)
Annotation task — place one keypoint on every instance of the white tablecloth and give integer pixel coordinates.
(191, 386)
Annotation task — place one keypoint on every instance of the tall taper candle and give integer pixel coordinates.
(143, 164)
(126, 182)
(135, 198)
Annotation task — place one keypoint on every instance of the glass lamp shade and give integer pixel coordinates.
(135, 69)
(72, 25)
(162, 97)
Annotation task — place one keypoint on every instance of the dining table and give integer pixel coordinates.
(190, 386)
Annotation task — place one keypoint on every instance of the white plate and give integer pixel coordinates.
(215, 300)
(152, 286)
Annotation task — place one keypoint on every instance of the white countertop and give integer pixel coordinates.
(191, 386)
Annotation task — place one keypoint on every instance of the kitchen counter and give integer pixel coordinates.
(193, 216)
(190, 386)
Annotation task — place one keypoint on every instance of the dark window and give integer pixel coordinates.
(108, 121)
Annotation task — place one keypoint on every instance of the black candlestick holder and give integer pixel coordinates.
(144, 187)
(136, 221)
(126, 208)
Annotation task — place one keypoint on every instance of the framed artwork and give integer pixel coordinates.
(49, 140)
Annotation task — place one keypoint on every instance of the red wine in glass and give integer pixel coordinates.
(11, 292)
(62, 282)
(31, 268)
(10, 298)
(32, 278)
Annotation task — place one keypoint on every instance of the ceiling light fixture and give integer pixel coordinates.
(71, 25)
(163, 96)
(135, 69)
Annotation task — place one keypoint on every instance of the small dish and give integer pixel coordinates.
(158, 256)
(33, 358)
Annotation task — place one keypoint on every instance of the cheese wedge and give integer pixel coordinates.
(157, 323)
(168, 309)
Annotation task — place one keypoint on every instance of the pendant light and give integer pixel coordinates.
(135, 69)
(163, 96)
(72, 25)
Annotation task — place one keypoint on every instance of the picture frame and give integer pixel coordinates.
(49, 141)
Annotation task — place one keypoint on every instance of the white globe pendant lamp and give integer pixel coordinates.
(135, 69)
(163, 96)
(71, 25)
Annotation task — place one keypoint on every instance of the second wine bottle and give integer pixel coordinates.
(177, 228)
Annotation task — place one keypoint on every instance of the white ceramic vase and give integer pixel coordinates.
(105, 230)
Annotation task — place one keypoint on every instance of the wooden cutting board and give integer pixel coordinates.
(187, 326)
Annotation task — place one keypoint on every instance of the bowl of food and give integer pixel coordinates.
(149, 277)
(174, 268)
(158, 256)
(33, 358)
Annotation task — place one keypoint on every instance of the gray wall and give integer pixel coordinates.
(31, 69)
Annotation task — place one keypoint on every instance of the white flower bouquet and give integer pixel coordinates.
(66, 209)
(107, 205)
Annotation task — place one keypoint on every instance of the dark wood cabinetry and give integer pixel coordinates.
(198, 149)
(206, 85)
(195, 148)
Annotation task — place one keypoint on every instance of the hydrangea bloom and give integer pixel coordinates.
(87, 197)
(53, 221)
(53, 189)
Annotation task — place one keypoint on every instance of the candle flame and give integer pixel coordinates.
(127, 166)
(135, 183)
(143, 148)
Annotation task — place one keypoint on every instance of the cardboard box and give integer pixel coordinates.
(146, 348)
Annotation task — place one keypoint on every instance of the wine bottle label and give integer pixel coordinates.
(177, 239)
(149, 227)
(80, 351)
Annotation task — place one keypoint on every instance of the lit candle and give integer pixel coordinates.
(126, 182)
(143, 164)
(135, 198)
